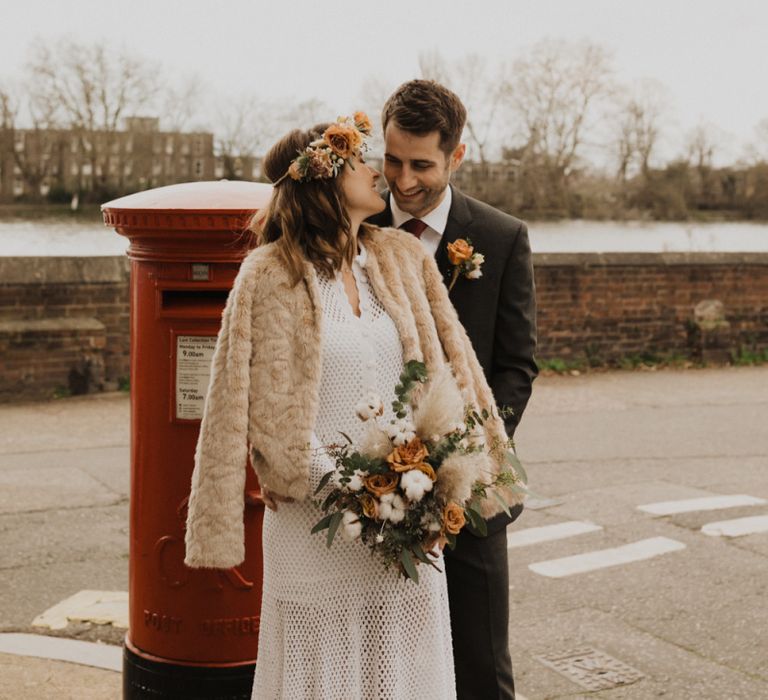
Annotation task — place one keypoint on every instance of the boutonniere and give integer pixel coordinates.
(465, 261)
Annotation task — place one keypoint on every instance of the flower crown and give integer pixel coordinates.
(325, 157)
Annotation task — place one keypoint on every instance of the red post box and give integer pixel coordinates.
(192, 633)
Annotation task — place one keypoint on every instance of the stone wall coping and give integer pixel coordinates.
(51, 325)
(30, 270)
(646, 259)
(63, 270)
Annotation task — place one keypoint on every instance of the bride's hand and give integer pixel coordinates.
(271, 499)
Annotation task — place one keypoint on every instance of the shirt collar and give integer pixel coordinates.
(437, 219)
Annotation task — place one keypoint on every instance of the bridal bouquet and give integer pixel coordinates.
(416, 479)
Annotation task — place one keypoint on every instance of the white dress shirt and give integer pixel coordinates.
(436, 221)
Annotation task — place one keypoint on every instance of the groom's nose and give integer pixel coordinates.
(406, 179)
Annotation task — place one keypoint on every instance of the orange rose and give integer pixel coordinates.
(408, 456)
(379, 484)
(363, 122)
(453, 518)
(343, 140)
(294, 171)
(459, 251)
(370, 507)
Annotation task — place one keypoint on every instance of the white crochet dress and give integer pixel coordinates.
(335, 625)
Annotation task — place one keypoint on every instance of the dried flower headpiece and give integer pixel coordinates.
(325, 157)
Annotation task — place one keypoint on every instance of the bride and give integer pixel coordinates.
(325, 311)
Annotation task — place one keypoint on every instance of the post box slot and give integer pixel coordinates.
(193, 302)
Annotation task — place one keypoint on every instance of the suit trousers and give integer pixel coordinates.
(478, 592)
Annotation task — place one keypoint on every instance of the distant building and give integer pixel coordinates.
(59, 163)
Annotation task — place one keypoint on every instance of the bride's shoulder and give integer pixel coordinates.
(264, 267)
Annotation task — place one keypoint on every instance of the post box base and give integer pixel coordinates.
(146, 679)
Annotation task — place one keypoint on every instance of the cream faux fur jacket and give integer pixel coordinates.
(266, 373)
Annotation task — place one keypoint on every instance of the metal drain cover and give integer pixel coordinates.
(590, 668)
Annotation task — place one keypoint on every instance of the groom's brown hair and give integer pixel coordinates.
(424, 106)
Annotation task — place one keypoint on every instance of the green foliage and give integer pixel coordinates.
(745, 356)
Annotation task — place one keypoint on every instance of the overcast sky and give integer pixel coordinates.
(710, 54)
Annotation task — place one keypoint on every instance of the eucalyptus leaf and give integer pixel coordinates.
(420, 554)
(326, 478)
(514, 462)
(333, 526)
(408, 566)
(501, 501)
(322, 524)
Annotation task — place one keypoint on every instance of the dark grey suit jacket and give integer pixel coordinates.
(499, 309)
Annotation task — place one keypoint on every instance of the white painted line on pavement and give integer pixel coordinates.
(602, 558)
(99, 607)
(74, 651)
(689, 505)
(737, 527)
(547, 533)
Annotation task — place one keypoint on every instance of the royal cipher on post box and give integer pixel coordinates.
(192, 633)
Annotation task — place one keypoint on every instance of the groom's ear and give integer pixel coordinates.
(457, 157)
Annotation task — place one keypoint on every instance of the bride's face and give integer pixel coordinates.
(358, 183)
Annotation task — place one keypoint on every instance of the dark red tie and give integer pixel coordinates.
(414, 226)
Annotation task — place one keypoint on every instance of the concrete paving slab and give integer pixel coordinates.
(29, 590)
(38, 489)
(110, 466)
(97, 607)
(74, 534)
(96, 420)
(44, 679)
(670, 670)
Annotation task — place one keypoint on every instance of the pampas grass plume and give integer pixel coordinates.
(441, 407)
(375, 442)
(457, 474)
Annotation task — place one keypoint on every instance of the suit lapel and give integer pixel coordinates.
(457, 226)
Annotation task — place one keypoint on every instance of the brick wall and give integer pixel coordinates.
(63, 318)
(63, 325)
(608, 306)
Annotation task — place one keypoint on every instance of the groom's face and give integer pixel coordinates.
(416, 169)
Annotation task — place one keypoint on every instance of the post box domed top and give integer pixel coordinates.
(221, 196)
(191, 217)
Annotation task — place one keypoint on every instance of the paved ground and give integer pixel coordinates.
(692, 622)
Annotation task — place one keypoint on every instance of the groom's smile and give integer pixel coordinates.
(416, 169)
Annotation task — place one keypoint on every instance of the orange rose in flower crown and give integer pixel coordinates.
(363, 122)
(465, 261)
(344, 140)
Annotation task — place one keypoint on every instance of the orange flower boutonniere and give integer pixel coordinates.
(465, 261)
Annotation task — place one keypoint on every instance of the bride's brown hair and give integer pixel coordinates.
(308, 220)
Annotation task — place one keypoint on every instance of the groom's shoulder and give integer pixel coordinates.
(493, 219)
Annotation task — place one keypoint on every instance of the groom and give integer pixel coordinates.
(422, 123)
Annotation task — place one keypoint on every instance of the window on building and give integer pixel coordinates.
(198, 145)
(169, 145)
(198, 167)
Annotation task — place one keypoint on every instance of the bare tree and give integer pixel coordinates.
(554, 93)
(639, 116)
(34, 147)
(90, 88)
(757, 151)
(481, 91)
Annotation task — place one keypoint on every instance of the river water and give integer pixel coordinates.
(69, 238)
